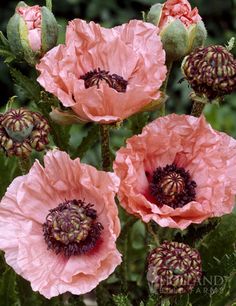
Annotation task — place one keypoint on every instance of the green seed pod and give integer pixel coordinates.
(154, 15)
(175, 40)
(181, 29)
(49, 30)
(197, 36)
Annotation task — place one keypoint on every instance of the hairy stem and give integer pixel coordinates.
(197, 108)
(24, 164)
(105, 147)
(164, 86)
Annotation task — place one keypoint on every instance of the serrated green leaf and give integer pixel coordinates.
(121, 300)
(152, 300)
(137, 122)
(29, 86)
(8, 55)
(88, 141)
(49, 4)
(3, 41)
(8, 171)
(8, 292)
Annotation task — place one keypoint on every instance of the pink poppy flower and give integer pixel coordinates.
(59, 224)
(177, 172)
(32, 17)
(178, 9)
(105, 75)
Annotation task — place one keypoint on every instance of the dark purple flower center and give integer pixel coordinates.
(172, 186)
(94, 77)
(71, 228)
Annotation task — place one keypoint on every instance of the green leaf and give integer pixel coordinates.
(8, 171)
(137, 122)
(49, 4)
(29, 86)
(218, 261)
(88, 141)
(8, 292)
(8, 55)
(3, 41)
(152, 300)
(121, 300)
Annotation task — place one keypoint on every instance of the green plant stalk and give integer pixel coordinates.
(105, 147)
(153, 234)
(164, 86)
(197, 108)
(24, 164)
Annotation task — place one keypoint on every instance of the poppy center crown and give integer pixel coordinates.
(172, 186)
(94, 77)
(71, 228)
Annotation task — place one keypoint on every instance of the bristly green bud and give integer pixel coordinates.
(210, 71)
(31, 32)
(154, 15)
(181, 29)
(21, 131)
(173, 268)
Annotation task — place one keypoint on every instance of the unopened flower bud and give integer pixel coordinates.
(181, 28)
(21, 131)
(210, 71)
(31, 32)
(173, 268)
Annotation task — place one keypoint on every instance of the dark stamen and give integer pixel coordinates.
(94, 77)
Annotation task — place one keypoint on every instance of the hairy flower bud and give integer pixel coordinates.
(31, 32)
(21, 131)
(210, 71)
(173, 268)
(181, 29)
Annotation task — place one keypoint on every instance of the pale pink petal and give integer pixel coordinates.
(24, 209)
(189, 142)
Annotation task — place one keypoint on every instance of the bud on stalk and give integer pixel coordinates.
(181, 28)
(31, 32)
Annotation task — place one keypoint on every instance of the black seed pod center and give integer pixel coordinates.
(94, 77)
(71, 228)
(172, 186)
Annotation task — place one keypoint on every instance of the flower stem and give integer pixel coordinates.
(24, 164)
(197, 108)
(153, 234)
(105, 147)
(164, 86)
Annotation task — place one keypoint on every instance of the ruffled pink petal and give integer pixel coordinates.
(32, 17)
(31, 197)
(209, 156)
(178, 9)
(132, 51)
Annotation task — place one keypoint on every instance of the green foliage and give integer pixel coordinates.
(121, 300)
(9, 170)
(8, 291)
(29, 86)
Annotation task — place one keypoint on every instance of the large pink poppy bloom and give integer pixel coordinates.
(105, 75)
(33, 19)
(59, 224)
(178, 9)
(177, 172)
